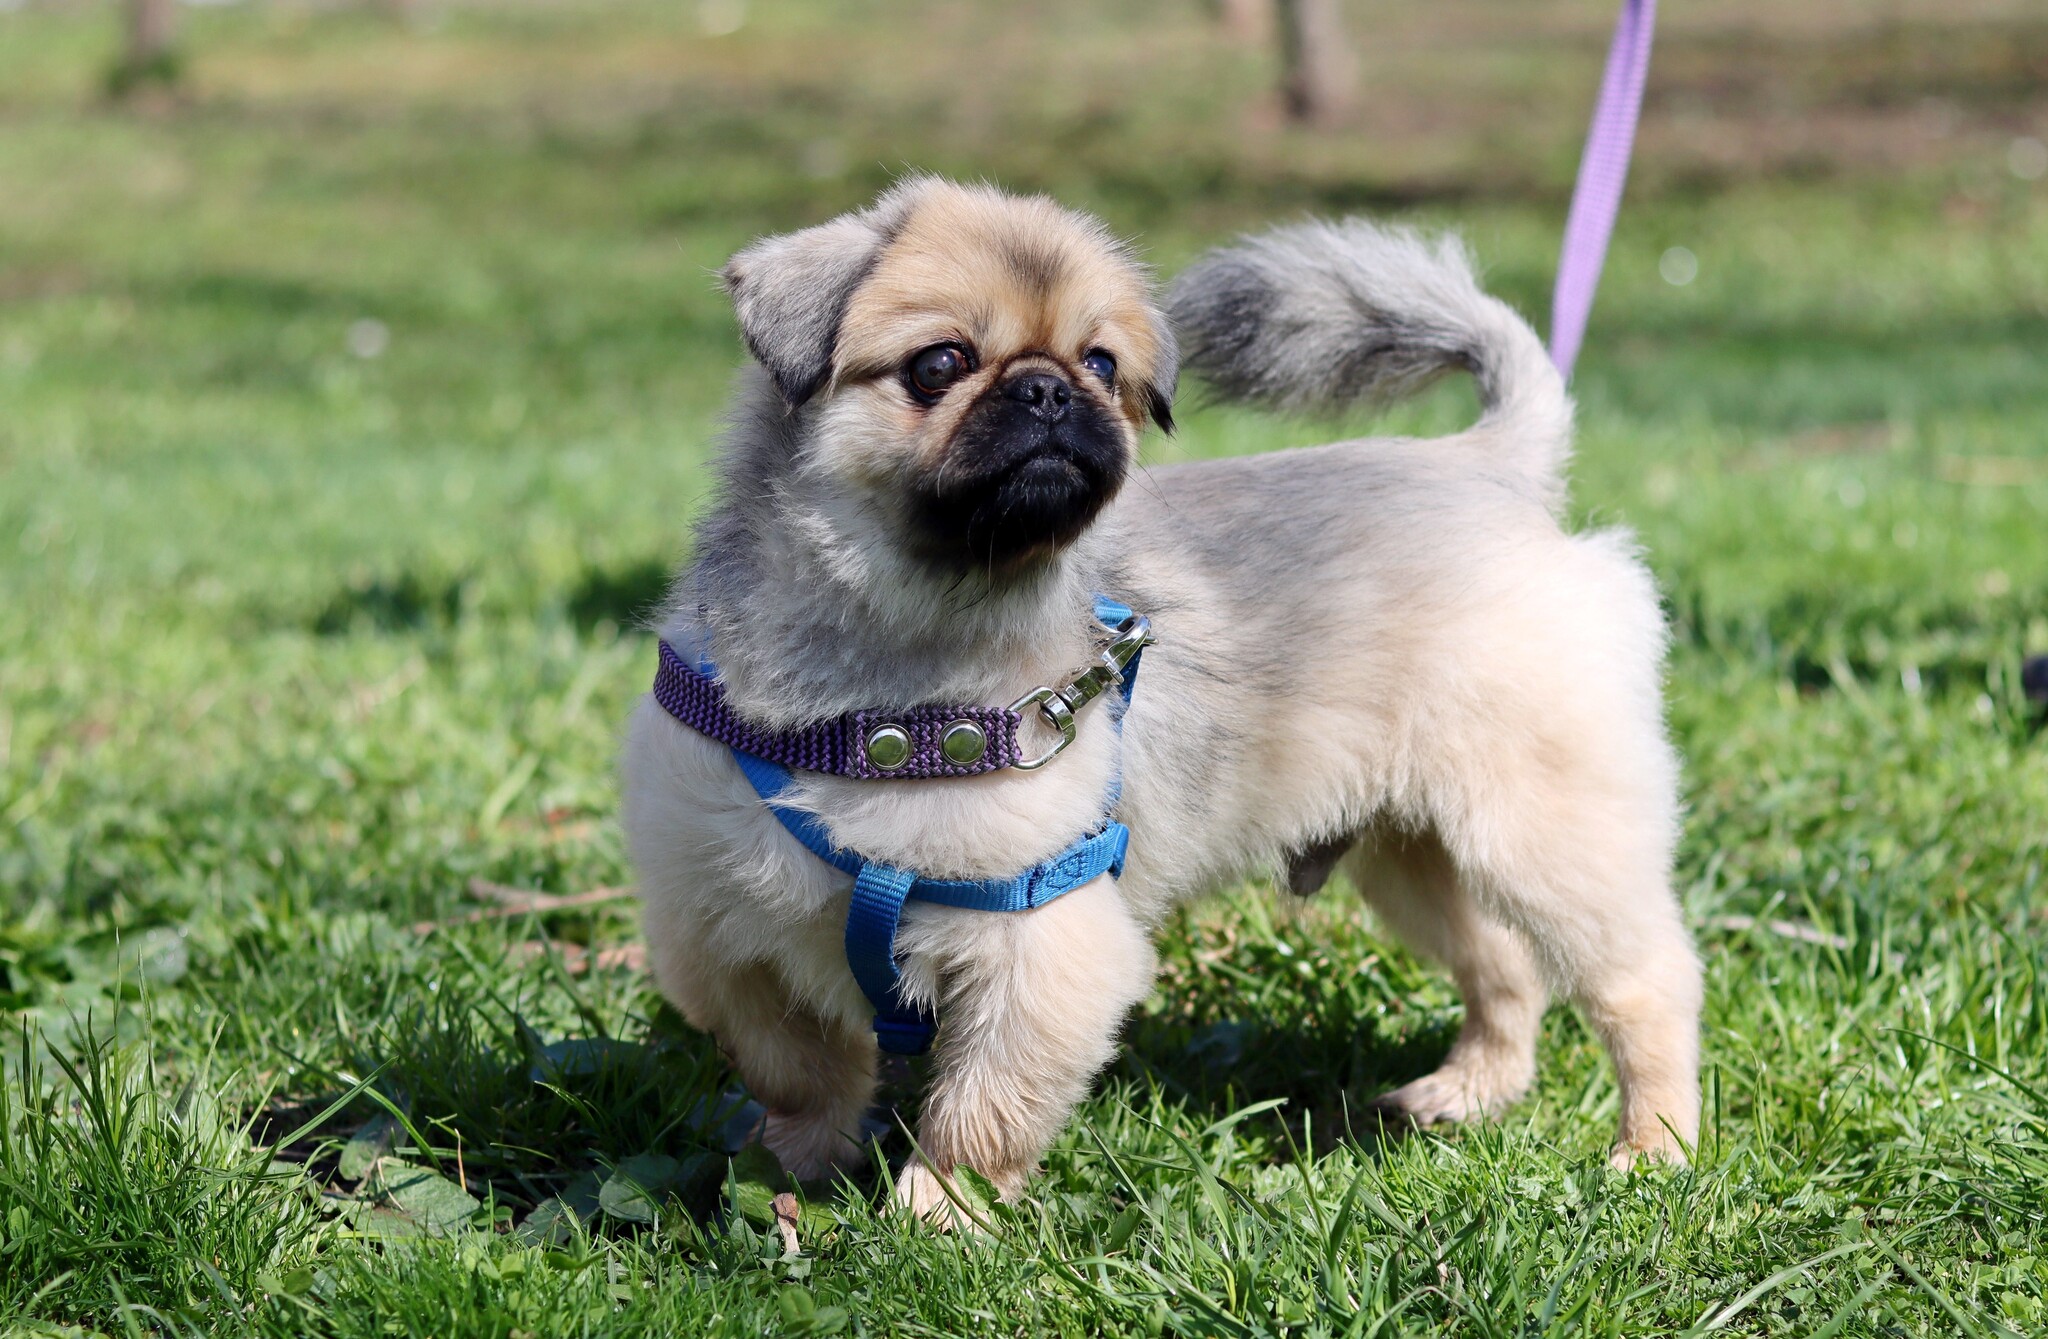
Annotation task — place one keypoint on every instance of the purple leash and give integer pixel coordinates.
(1596, 199)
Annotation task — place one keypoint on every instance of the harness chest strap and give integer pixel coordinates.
(880, 890)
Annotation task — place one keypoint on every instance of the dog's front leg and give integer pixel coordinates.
(815, 1076)
(1030, 1004)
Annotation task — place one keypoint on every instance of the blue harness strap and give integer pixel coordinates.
(879, 890)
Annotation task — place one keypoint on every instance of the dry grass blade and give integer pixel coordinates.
(517, 900)
(577, 959)
(1805, 934)
(522, 902)
(786, 1213)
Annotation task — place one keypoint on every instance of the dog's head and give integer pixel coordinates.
(975, 367)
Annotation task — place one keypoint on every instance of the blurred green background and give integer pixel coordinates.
(357, 384)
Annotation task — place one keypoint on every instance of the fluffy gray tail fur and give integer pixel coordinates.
(1325, 316)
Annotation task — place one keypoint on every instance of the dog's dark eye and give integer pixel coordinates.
(1101, 364)
(937, 368)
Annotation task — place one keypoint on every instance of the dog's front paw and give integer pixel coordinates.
(808, 1147)
(922, 1192)
(1447, 1097)
(942, 1201)
(1661, 1148)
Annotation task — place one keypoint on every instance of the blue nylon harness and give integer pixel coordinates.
(879, 890)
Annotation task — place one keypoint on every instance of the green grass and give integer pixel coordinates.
(296, 643)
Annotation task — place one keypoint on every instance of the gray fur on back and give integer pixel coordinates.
(1324, 316)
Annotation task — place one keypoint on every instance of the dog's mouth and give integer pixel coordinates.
(1013, 491)
(1021, 511)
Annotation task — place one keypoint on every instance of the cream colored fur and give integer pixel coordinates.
(1390, 643)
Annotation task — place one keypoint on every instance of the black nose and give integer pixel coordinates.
(1047, 395)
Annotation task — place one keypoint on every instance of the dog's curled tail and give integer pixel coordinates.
(1324, 316)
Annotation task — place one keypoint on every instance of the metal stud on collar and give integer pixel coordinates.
(888, 746)
(963, 743)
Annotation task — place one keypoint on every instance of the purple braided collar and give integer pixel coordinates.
(838, 746)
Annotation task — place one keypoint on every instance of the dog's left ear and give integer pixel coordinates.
(790, 292)
(1165, 376)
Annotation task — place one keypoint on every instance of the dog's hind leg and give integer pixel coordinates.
(1581, 866)
(1411, 882)
(1030, 1004)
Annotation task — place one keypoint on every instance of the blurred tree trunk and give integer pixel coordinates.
(148, 57)
(151, 25)
(1247, 21)
(1317, 72)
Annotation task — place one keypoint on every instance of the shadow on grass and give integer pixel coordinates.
(532, 1124)
(1326, 1070)
(406, 602)
(1823, 639)
(628, 595)
(1271, 1000)
(467, 1090)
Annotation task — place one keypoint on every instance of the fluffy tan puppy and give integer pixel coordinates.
(1381, 653)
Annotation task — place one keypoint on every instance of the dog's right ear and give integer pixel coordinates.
(790, 292)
